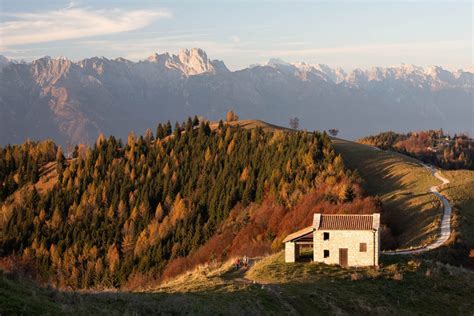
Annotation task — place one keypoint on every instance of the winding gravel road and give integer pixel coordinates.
(445, 232)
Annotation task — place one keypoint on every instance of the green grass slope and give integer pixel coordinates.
(402, 184)
(206, 297)
(270, 286)
(401, 286)
(19, 296)
(460, 192)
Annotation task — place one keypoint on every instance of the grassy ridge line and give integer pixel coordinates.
(401, 183)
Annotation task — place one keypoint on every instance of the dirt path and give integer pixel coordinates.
(445, 229)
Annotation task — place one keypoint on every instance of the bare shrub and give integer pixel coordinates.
(392, 269)
(356, 276)
(373, 273)
(398, 276)
(414, 264)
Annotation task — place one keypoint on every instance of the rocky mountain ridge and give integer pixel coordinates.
(74, 101)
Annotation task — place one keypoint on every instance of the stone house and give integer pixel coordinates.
(344, 239)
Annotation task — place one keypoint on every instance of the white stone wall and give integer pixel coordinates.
(351, 240)
(290, 252)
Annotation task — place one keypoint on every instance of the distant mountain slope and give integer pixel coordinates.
(75, 101)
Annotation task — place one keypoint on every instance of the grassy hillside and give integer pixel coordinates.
(250, 124)
(229, 299)
(460, 192)
(402, 185)
(408, 287)
(269, 287)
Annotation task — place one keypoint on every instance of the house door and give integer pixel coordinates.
(343, 257)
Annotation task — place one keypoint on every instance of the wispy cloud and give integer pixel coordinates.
(72, 23)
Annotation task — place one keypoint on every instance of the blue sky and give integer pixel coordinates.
(348, 34)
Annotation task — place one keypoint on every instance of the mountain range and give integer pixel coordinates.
(73, 101)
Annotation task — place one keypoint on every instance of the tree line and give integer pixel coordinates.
(434, 146)
(20, 164)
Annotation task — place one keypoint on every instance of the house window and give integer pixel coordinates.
(326, 253)
(326, 236)
(363, 247)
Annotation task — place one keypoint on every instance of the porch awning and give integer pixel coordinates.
(303, 234)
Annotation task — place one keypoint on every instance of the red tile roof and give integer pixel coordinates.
(346, 222)
(334, 222)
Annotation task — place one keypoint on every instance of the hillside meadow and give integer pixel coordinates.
(402, 184)
(270, 286)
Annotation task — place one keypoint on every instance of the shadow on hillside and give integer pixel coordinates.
(403, 186)
(235, 299)
(299, 289)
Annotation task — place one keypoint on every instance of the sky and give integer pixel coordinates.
(347, 34)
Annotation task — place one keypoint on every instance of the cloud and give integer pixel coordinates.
(72, 23)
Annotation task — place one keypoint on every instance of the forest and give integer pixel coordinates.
(20, 164)
(118, 213)
(434, 147)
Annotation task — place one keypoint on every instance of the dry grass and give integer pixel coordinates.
(460, 192)
(402, 184)
(250, 124)
(204, 276)
(398, 286)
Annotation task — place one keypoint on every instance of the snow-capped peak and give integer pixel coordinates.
(189, 61)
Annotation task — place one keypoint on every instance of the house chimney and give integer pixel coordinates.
(376, 221)
(316, 221)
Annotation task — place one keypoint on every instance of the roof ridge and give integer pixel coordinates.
(348, 214)
(347, 221)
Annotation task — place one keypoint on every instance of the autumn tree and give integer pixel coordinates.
(231, 116)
